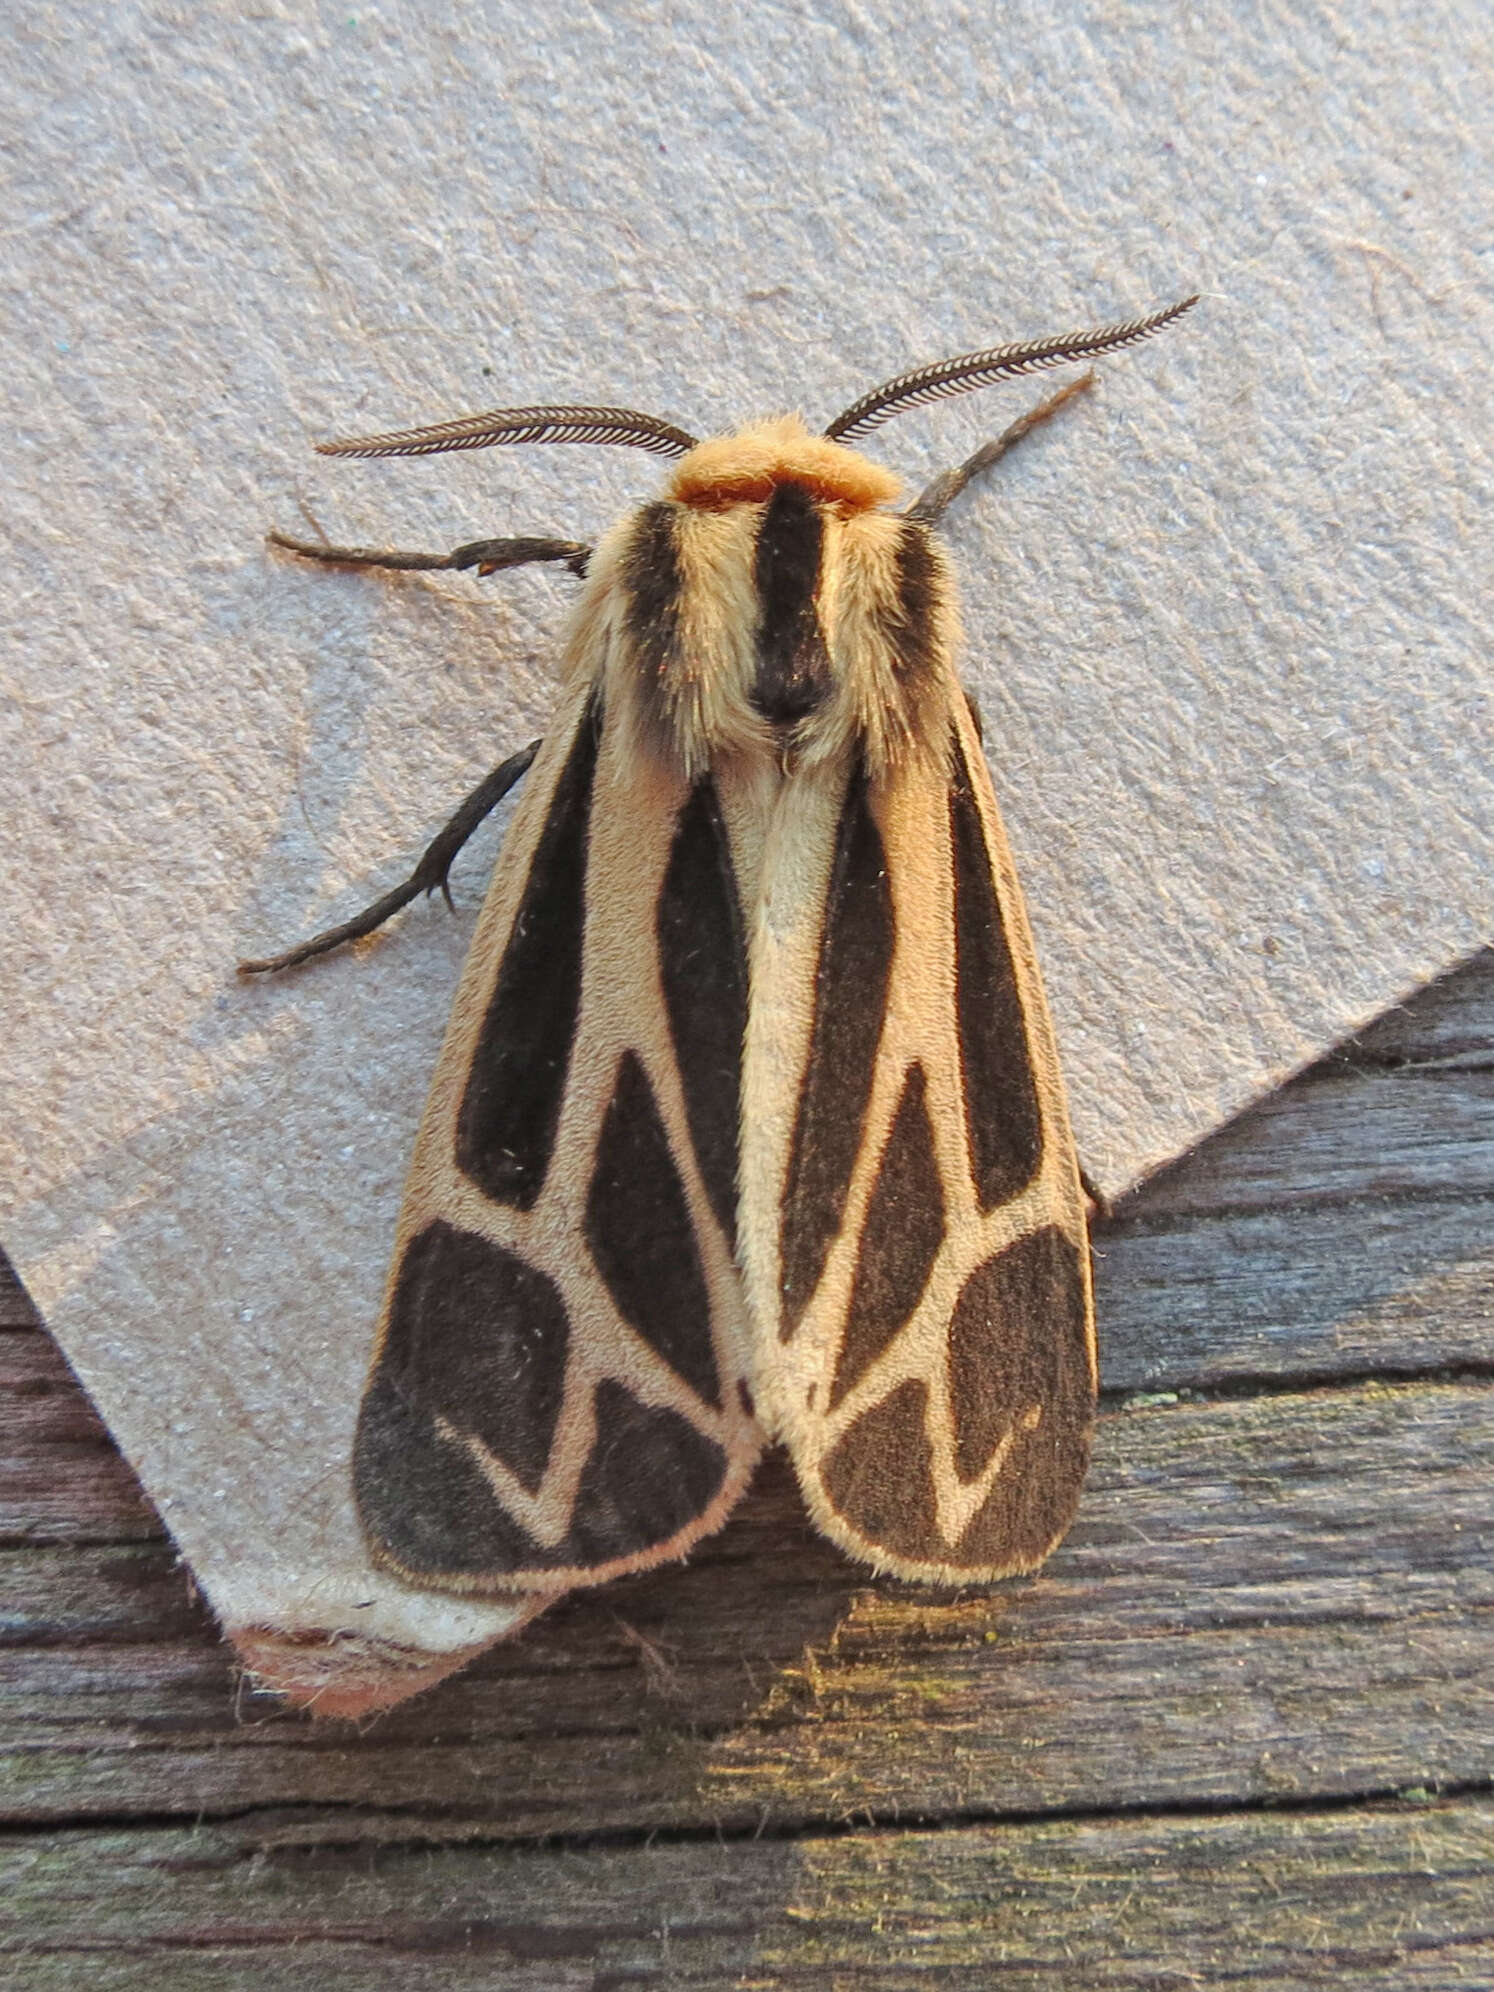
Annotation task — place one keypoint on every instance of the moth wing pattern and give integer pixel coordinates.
(748, 1121)
(917, 1252)
(555, 1393)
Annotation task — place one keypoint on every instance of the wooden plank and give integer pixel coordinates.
(16, 1310)
(1403, 1109)
(1340, 1228)
(99, 1595)
(1274, 1597)
(1277, 1597)
(61, 1478)
(1384, 1287)
(1383, 1897)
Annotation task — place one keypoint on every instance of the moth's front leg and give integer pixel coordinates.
(428, 876)
(488, 556)
(931, 503)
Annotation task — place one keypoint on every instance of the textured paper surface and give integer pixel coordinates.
(1226, 618)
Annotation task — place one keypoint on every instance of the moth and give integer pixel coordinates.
(748, 1126)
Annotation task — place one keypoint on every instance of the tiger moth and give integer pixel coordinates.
(748, 1127)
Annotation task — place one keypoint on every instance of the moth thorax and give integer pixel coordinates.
(785, 622)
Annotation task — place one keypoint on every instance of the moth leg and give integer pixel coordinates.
(428, 876)
(932, 503)
(487, 556)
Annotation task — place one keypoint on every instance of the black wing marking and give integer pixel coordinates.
(554, 1396)
(935, 1383)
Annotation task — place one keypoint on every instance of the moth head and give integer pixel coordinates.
(749, 466)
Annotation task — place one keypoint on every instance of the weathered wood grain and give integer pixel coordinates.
(16, 1310)
(1381, 1286)
(1271, 1597)
(1385, 1897)
(1345, 1133)
(1401, 1110)
(61, 1479)
(1342, 1228)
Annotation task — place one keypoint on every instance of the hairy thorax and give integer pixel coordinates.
(771, 605)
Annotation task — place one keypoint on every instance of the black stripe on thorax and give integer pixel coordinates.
(652, 579)
(793, 666)
(912, 622)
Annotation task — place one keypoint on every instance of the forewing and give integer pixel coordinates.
(555, 1395)
(917, 1254)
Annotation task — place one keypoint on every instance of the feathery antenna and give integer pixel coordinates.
(971, 370)
(522, 425)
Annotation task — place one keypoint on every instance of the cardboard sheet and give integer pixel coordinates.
(1227, 618)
